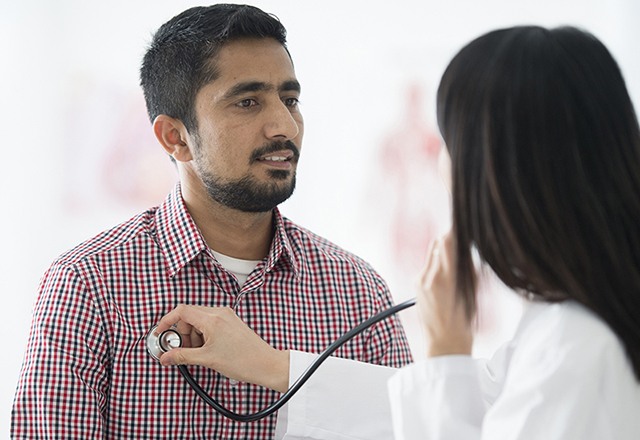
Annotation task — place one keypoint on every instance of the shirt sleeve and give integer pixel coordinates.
(386, 342)
(63, 385)
(343, 400)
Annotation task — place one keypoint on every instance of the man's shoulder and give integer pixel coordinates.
(308, 240)
(313, 246)
(128, 233)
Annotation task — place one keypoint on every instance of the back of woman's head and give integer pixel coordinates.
(545, 151)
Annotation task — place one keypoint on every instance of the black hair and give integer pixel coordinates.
(179, 60)
(545, 150)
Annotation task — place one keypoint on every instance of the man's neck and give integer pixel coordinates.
(237, 234)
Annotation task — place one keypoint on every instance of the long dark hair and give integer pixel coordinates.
(545, 151)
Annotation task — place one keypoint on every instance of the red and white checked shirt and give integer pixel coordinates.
(87, 374)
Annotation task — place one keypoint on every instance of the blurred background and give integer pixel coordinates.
(79, 155)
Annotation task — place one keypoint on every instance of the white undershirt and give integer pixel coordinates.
(240, 268)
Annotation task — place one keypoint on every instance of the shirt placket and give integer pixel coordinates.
(232, 392)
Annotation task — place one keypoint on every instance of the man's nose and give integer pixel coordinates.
(281, 123)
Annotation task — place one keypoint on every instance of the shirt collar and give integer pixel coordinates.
(178, 236)
(281, 246)
(180, 239)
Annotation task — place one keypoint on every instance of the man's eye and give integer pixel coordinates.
(246, 103)
(291, 102)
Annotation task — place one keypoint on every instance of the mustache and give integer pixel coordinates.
(274, 146)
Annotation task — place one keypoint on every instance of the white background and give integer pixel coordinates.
(78, 155)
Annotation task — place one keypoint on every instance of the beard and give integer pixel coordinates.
(247, 194)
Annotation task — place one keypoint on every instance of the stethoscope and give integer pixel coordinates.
(170, 339)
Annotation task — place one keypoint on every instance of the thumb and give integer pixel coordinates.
(181, 356)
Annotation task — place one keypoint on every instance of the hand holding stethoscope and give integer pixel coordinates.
(218, 339)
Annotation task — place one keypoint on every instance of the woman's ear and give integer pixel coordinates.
(172, 135)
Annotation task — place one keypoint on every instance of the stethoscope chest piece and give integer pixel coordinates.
(158, 344)
(165, 341)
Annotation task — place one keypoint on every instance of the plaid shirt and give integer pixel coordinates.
(87, 375)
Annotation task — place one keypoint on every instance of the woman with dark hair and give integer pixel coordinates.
(544, 149)
(545, 170)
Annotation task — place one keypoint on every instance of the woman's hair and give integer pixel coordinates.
(545, 152)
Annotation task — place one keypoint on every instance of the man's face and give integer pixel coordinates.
(249, 126)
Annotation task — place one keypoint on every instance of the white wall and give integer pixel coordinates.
(79, 157)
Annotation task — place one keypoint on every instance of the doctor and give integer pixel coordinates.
(545, 152)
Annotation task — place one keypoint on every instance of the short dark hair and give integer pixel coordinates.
(178, 62)
(545, 150)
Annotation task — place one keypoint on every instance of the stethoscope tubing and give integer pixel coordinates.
(284, 398)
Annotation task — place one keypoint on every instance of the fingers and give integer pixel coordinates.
(196, 338)
(183, 356)
(228, 346)
(443, 317)
(428, 266)
(448, 249)
(181, 318)
(197, 325)
(439, 261)
(172, 357)
(186, 318)
(192, 322)
(440, 254)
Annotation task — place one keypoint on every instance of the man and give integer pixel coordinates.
(223, 97)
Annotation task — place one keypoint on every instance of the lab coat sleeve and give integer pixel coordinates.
(343, 400)
(438, 398)
(546, 384)
(553, 388)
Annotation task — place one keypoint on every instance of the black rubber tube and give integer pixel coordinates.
(275, 406)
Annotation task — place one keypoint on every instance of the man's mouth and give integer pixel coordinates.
(281, 159)
(280, 154)
(277, 157)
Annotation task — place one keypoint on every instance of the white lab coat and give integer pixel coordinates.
(564, 376)
(343, 400)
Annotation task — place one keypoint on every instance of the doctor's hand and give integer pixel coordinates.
(442, 314)
(215, 337)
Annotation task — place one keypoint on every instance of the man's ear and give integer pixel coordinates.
(172, 135)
